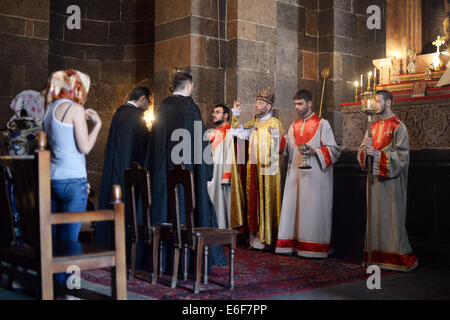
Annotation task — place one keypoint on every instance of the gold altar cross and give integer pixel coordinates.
(438, 43)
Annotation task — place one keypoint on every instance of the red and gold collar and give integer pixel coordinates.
(218, 135)
(305, 129)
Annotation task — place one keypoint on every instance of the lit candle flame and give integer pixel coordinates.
(437, 61)
(149, 118)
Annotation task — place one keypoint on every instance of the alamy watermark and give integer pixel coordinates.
(266, 154)
(374, 281)
(374, 21)
(74, 281)
(74, 20)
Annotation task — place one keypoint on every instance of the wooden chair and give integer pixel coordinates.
(87, 231)
(137, 184)
(195, 238)
(30, 177)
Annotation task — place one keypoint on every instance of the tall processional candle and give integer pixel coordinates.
(356, 84)
(369, 80)
(374, 78)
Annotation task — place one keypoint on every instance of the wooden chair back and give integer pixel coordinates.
(137, 185)
(180, 176)
(18, 176)
(31, 178)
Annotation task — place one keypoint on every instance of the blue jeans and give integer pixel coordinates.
(68, 195)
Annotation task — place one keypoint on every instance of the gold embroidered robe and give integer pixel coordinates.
(263, 182)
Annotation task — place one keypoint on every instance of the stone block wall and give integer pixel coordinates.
(251, 50)
(24, 33)
(208, 54)
(232, 48)
(271, 43)
(348, 47)
(188, 36)
(433, 24)
(115, 46)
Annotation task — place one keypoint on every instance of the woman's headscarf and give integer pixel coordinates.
(30, 101)
(68, 84)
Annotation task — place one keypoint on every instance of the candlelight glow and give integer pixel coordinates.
(437, 61)
(149, 118)
(356, 84)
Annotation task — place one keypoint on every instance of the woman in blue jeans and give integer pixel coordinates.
(69, 140)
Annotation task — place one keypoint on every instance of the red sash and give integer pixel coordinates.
(218, 135)
(309, 129)
(383, 132)
(382, 136)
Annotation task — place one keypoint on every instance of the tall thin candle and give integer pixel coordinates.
(374, 78)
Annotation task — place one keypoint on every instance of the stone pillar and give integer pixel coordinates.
(187, 38)
(172, 42)
(114, 46)
(251, 51)
(347, 50)
(296, 55)
(208, 37)
(24, 32)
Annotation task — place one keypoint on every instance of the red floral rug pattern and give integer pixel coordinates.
(257, 275)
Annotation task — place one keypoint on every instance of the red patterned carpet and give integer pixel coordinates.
(257, 275)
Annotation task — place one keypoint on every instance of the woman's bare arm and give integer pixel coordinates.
(85, 140)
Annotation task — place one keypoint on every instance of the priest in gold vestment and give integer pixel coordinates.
(389, 147)
(263, 181)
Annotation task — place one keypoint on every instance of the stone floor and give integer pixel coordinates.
(421, 284)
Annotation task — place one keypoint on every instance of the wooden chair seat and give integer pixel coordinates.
(83, 255)
(213, 232)
(189, 236)
(208, 237)
(155, 227)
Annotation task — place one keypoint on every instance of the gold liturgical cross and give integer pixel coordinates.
(438, 43)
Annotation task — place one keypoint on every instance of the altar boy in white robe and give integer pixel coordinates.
(389, 147)
(225, 189)
(306, 212)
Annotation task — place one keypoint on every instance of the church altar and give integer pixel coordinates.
(426, 117)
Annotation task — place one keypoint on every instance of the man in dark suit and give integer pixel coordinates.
(127, 142)
(179, 113)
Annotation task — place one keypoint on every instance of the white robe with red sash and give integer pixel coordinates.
(306, 213)
(390, 246)
(219, 188)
